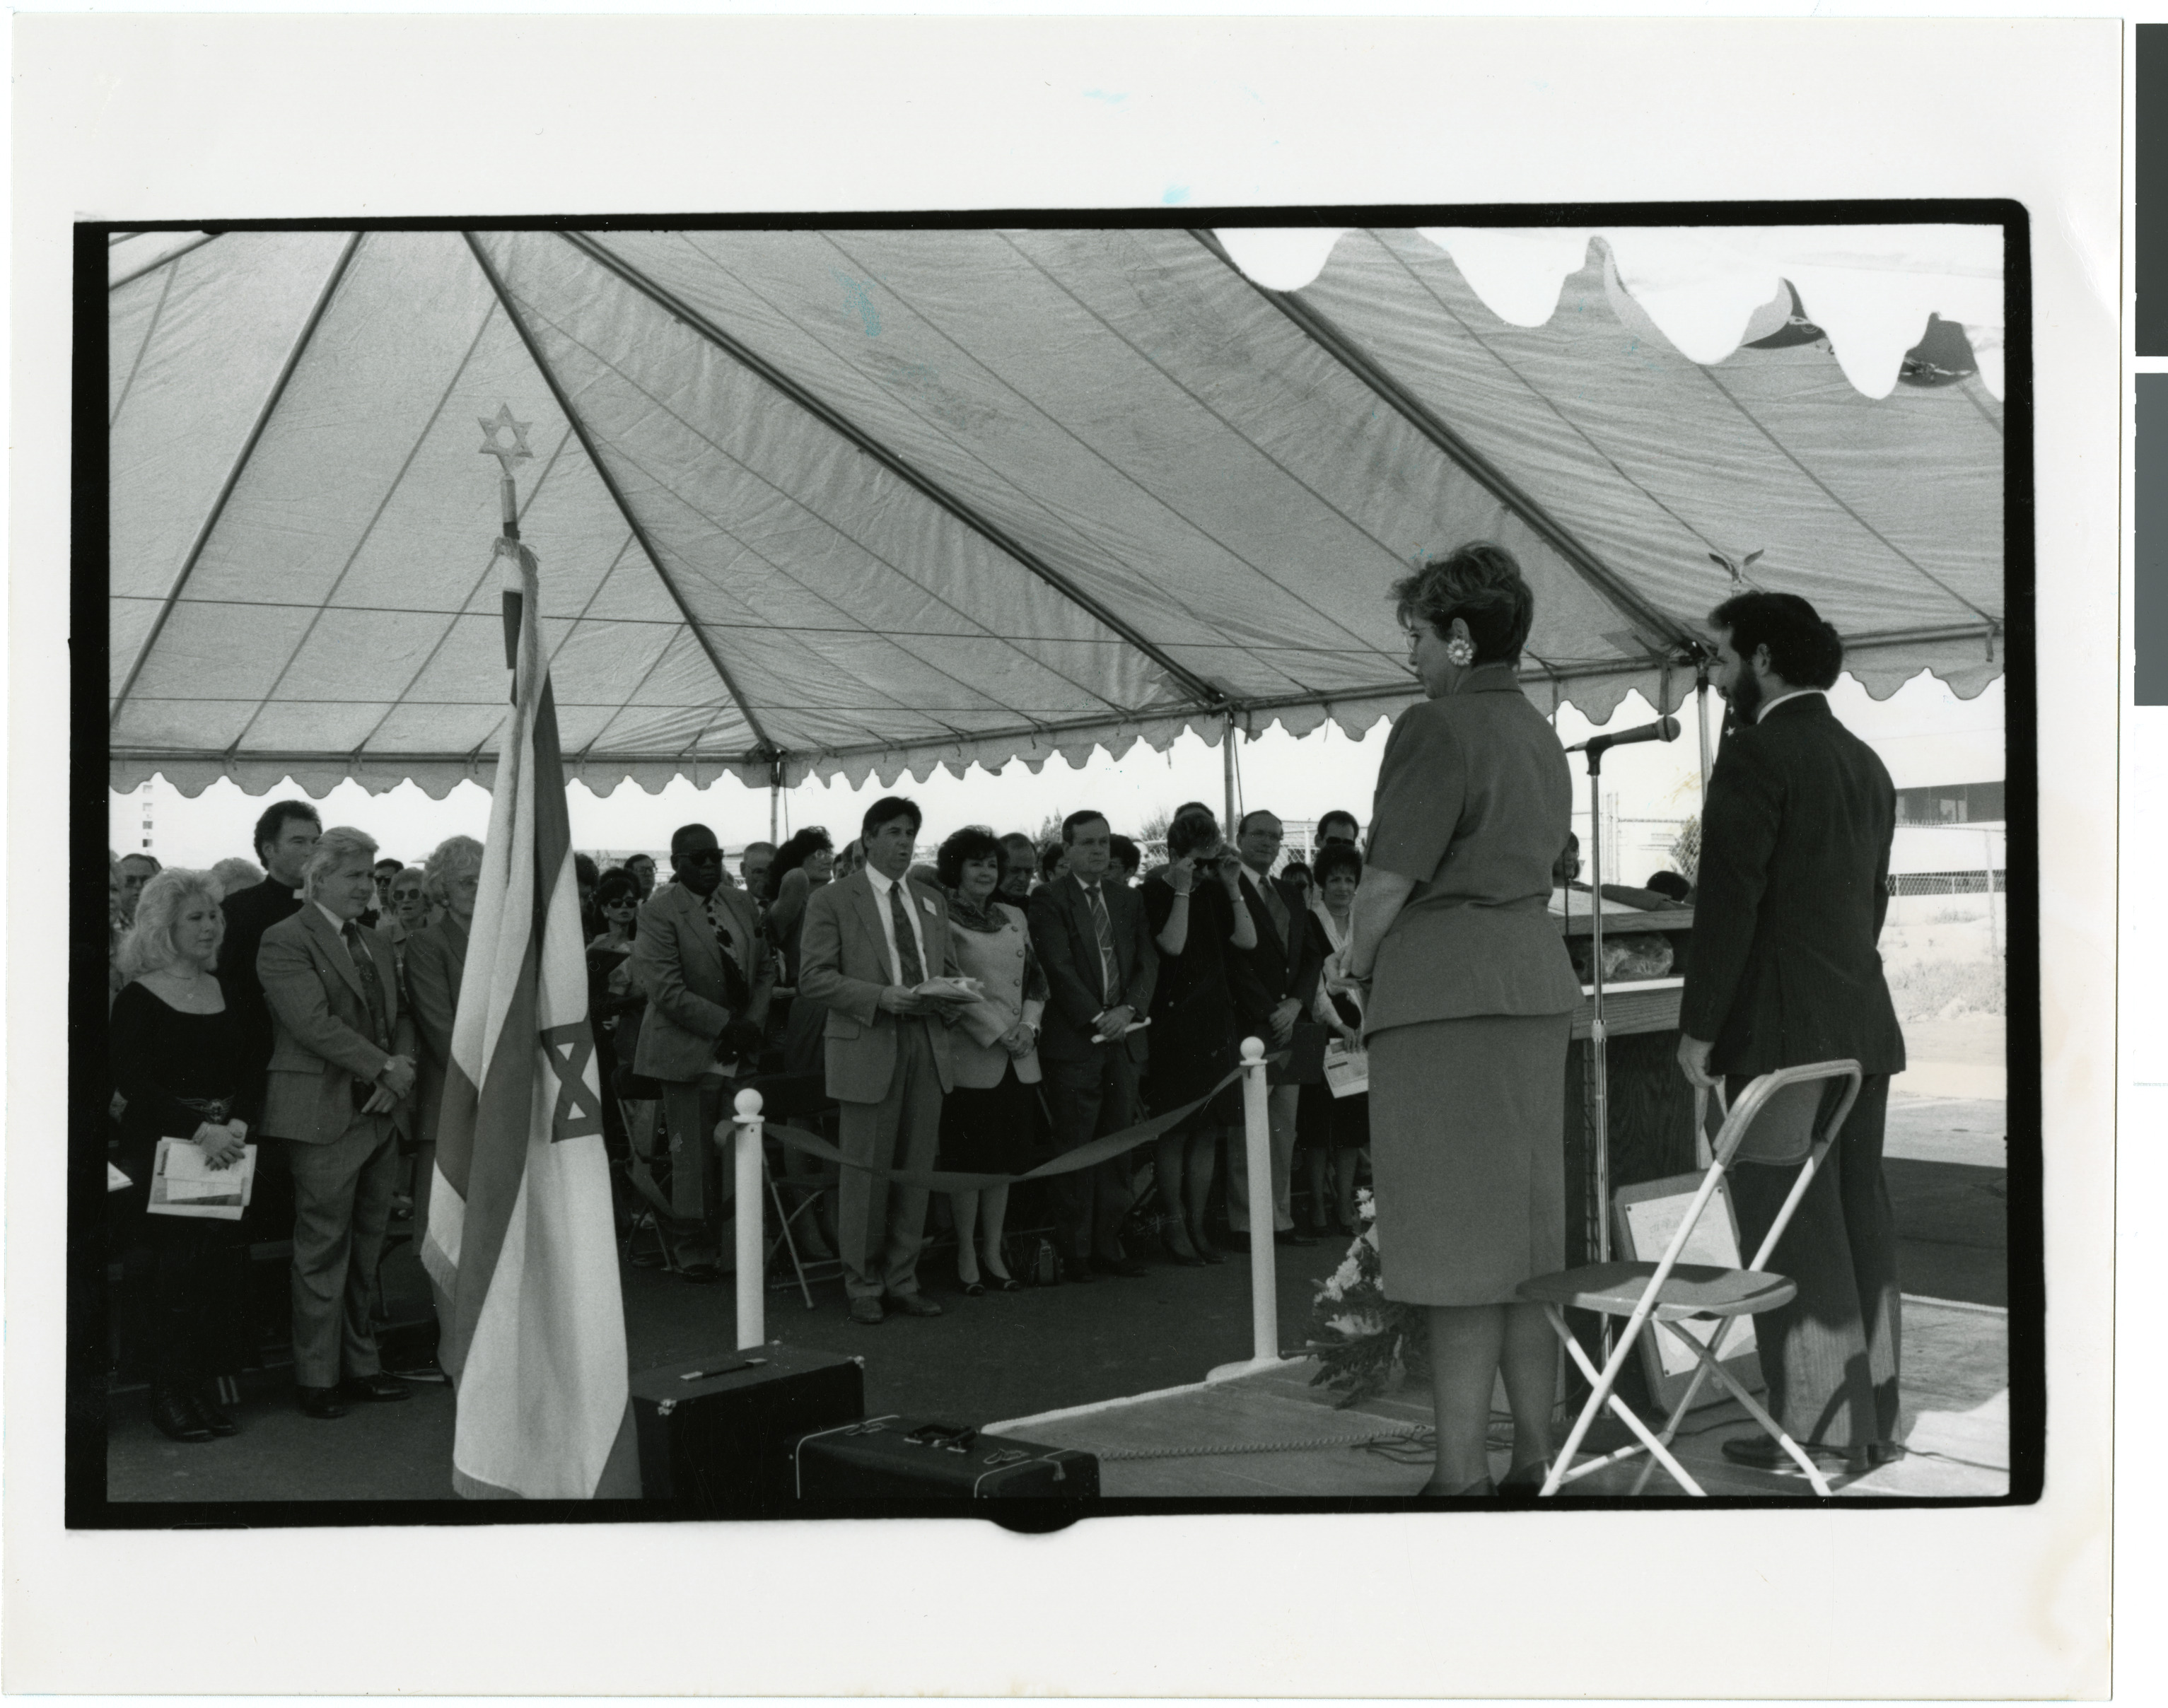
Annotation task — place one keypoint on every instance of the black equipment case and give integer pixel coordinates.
(716, 1435)
(896, 1458)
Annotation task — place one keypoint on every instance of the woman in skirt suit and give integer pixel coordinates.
(1469, 1004)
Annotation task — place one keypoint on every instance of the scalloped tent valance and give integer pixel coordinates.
(857, 502)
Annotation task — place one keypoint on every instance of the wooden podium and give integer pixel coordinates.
(1651, 1104)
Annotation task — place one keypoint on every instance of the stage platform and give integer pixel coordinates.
(1273, 1436)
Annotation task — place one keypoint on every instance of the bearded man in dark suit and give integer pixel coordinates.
(1792, 888)
(1096, 949)
(285, 836)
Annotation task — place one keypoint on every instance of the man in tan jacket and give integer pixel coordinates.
(698, 955)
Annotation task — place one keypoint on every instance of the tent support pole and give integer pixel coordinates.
(1701, 724)
(1227, 767)
(233, 475)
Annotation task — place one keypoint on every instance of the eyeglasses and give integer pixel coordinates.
(703, 856)
(406, 896)
(620, 901)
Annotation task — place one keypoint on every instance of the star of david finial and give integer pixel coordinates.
(493, 446)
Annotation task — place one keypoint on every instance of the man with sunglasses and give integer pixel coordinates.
(708, 976)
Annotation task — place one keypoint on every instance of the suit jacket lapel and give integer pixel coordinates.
(1268, 934)
(870, 915)
(332, 946)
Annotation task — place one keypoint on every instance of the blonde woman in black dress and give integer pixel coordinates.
(178, 1052)
(1470, 999)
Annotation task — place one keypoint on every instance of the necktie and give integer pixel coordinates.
(737, 996)
(906, 945)
(372, 991)
(1110, 975)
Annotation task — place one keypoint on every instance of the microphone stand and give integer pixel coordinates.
(1600, 1077)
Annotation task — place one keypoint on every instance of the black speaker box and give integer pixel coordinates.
(895, 1458)
(716, 1435)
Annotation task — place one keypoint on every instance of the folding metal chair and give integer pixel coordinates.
(1779, 1108)
(794, 1097)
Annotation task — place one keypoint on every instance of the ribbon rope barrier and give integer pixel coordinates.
(745, 1131)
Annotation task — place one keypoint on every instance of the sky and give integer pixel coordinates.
(1924, 733)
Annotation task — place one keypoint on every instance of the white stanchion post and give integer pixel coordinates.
(1258, 1156)
(752, 1278)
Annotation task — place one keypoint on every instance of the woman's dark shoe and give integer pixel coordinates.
(1204, 1248)
(972, 1289)
(995, 1280)
(1525, 1482)
(176, 1415)
(1481, 1489)
(215, 1417)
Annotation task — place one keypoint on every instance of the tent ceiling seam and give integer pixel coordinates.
(933, 490)
(862, 630)
(1567, 420)
(1591, 568)
(1003, 543)
(937, 430)
(452, 626)
(647, 676)
(1257, 570)
(781, 570)
(609, 482)
(1823, 487)
(1070, 433)
(233, 475)
(166, 260)
(136, 367)
(384, 503)
(792, 634)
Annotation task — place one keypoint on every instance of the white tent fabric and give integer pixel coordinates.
(821, 501)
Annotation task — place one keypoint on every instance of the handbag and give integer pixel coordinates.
(1305, 1058)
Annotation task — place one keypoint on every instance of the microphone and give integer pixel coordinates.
(1663, 729)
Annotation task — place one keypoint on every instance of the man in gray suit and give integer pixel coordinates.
(869, 939)
(342, 1061)
(698, 955)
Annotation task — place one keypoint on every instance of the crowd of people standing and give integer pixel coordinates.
(1007, 1002)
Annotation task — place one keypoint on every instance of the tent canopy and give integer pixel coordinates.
(821, 501)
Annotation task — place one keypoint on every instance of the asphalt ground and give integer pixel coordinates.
(1001, 1355)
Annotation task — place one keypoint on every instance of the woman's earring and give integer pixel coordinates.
(1461, 651)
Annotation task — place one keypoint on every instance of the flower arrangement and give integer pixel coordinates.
(1358, 1333)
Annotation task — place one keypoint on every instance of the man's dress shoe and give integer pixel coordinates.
(701, 1275)
(215, 1417)
(378, 1387)
(913, 1305)
(173, 1410)
(1289, 1236)
(320, 1402)
(1126, 1266)
(868, 1311)
(1763, 1454)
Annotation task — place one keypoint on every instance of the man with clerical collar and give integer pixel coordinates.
(286, 836)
